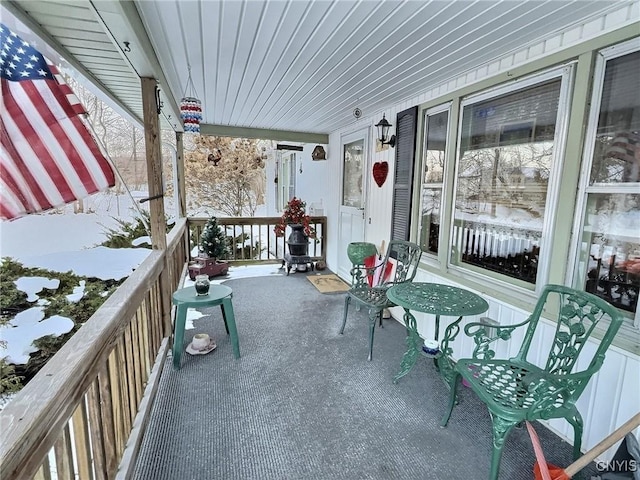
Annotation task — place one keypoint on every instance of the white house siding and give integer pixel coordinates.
(311, 184)
(613, 395)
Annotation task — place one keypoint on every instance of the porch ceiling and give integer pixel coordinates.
(290, 66)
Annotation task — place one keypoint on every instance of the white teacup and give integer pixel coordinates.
(200, 341)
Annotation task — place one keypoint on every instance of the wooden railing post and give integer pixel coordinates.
(182, 194)
(155, 184)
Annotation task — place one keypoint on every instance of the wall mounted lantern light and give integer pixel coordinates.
(383, 132)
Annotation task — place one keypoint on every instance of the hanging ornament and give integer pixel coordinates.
(191, 114)
(190, 108)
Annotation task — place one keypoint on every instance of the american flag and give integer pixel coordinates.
(48, 157)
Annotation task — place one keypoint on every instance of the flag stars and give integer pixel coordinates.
(19, 60)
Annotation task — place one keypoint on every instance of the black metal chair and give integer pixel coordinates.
(370, 282)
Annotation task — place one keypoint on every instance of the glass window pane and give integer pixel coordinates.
(292, 176)
(434, 157)
(616, 156)
(430, 231)
(435, 147)
(611, 248)
(352, 174)
(506, 151)
(286, 178)
(609, 252)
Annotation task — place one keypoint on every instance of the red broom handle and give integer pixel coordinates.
(603, 446)
(537, 448)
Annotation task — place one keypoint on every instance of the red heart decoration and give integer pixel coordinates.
(380, 171)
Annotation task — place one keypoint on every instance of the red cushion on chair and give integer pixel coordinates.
(369, 263)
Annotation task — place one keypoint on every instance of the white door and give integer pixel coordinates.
(354, 187)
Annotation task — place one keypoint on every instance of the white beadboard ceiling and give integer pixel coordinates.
(292, 66)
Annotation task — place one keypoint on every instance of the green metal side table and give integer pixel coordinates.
(186, 298)
(438, 300)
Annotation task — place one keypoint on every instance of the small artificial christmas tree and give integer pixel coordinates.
(213, 240)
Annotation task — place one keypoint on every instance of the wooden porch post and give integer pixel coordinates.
(154, 180)
(182, 193)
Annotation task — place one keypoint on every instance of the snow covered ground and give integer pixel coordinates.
(62, 241)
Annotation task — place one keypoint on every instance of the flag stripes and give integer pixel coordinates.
(48, 157)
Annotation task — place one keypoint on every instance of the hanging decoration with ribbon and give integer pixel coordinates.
(190, 108)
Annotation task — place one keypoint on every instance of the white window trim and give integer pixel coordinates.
(584, 189)
(286, 170)
(514, 85)
(566, 74)
(430, 258)
(596, 100)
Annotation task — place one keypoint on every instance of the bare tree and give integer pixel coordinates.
(226, 174)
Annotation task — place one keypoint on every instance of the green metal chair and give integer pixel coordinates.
(515, 390)
(400, 264)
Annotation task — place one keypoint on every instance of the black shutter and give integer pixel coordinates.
(406, 125)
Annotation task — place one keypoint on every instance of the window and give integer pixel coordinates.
(508, 144)
(608, 262)
(436, 127)
(352, 188)
(286, 178)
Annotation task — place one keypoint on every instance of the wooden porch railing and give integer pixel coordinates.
(253, 240)
(84, 412)
(79, 416)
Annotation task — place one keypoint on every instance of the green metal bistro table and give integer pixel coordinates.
(438, 300)
(186, 298)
